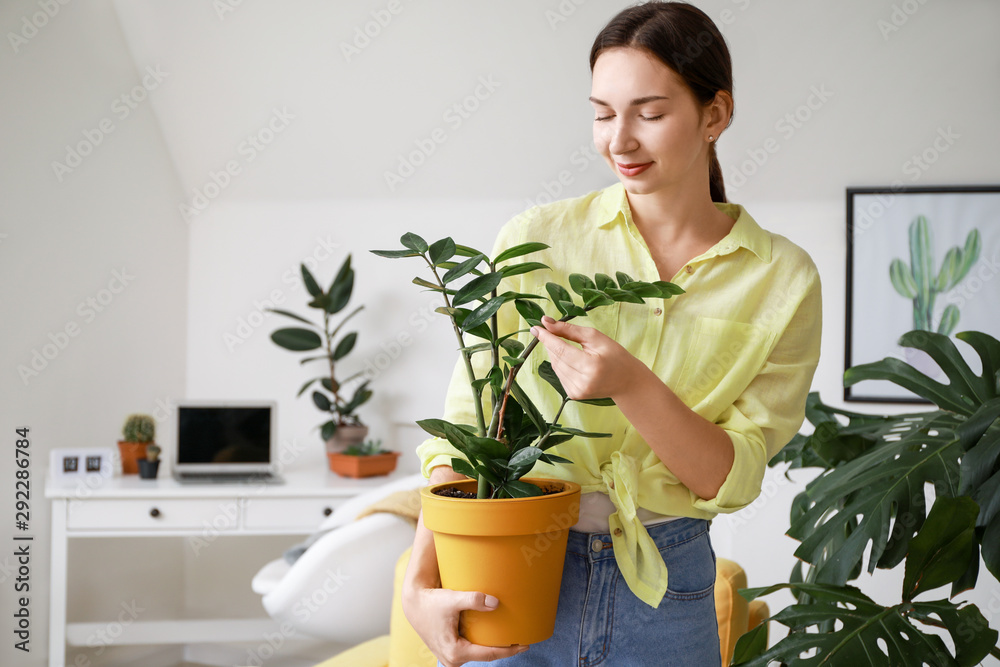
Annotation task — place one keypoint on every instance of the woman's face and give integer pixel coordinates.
(648, 125)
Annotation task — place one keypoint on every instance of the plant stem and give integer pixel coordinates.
(334, 387)
(466, 356)
(555, 422)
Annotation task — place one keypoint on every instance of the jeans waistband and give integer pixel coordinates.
(598, 546)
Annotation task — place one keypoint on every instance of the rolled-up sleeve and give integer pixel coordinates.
(770, 411)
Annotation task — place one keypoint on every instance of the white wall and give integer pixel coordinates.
(61, 243)
(342, 123)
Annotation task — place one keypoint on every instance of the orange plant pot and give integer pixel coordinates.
(511, 548)
(131, 452)
(346, 465)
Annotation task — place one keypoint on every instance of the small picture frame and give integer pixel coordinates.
(922, 258)
(77, 463)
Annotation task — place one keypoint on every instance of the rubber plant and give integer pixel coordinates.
(871, 493)
(340, 404)
(506, 442)
(918, 281)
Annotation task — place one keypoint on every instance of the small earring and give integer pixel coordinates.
(711, 138)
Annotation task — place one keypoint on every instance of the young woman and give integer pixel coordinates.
(708, 385)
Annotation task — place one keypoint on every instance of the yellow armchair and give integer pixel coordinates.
(402, 647)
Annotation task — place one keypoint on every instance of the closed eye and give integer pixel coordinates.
(651, 117)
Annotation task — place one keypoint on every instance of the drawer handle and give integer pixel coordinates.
(154, 512)
(327, 511)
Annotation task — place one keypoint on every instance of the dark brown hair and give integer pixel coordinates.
(684, 39)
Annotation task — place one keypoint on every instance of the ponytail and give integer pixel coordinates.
(715, 182)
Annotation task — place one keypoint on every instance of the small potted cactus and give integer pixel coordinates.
(138, 432)
(365, 460)
(149, 466)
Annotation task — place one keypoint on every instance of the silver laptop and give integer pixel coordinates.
(225, 441)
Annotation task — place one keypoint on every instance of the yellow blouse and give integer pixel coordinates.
(739, 348)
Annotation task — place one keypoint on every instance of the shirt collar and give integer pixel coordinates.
(613, 207)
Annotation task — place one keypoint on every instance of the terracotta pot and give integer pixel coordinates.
(148, 469)
(131, 452)
(347, 465)
(513, 549)
(345, 436)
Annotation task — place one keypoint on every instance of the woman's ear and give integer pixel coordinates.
(720, 113)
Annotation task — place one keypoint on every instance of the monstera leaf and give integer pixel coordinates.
(870, 497)
(868, 633)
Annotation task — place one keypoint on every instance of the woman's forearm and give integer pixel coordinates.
(694, 449)
(422, 570)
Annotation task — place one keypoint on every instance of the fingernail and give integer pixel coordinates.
(491, 602)
(547, 320)
(534, 331)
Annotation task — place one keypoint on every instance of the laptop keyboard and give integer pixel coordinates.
(225, 477)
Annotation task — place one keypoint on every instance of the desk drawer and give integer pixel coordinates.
(289, 513)
(152, 514)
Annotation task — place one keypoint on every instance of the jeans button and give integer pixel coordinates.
(596, 545)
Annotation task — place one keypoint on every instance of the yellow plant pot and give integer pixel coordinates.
(512, 549)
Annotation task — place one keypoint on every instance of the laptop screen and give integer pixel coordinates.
(224, 435)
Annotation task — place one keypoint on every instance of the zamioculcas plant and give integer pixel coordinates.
(506, 442)
(871, 493)
(919, 282)
(298, 339)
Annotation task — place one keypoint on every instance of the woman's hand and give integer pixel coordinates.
(434, 612)
(600, 368)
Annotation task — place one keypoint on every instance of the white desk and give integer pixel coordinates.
(132, 507)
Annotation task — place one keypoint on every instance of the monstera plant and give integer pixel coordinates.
(870, 493)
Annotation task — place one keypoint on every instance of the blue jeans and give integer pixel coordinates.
(601, 622)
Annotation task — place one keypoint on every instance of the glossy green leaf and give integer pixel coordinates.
(645, 290)
(868, 633)
(461, 269)
(668, 289)
(441, 251)
(557, 292)
(310, 282)
(547, 373)
(321, 401)
(482, 313)
(622, 295)
(477, 288)
(604, 281)
(519, 489)
(466, 251)
(429, 285)
(463, 467)
(327, 430)
(291, 315)
(297, 339)
(394, 254)
(595, 299)
(345, 346)
(413, 242)
(939, 554)
(578, 432)
(524, 458)
(579, 282)
(340, 291)
(530, 311)
(306, 386)
(518, 251)
(518, 269)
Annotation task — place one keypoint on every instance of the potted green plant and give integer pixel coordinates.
(870, 496)
(365, 460)
(344, 428)
(150, 465)
(138, 431)
(483, 526)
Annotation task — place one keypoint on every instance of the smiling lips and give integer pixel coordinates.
(633, 169)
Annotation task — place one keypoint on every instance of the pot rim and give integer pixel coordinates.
(569, 489)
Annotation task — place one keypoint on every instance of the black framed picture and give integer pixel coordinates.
(923, 258)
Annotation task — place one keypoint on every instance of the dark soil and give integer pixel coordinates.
(451, 492)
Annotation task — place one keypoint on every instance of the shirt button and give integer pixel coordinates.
(597, 545)
(689, 268)
(658, 311)
(618, 531)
